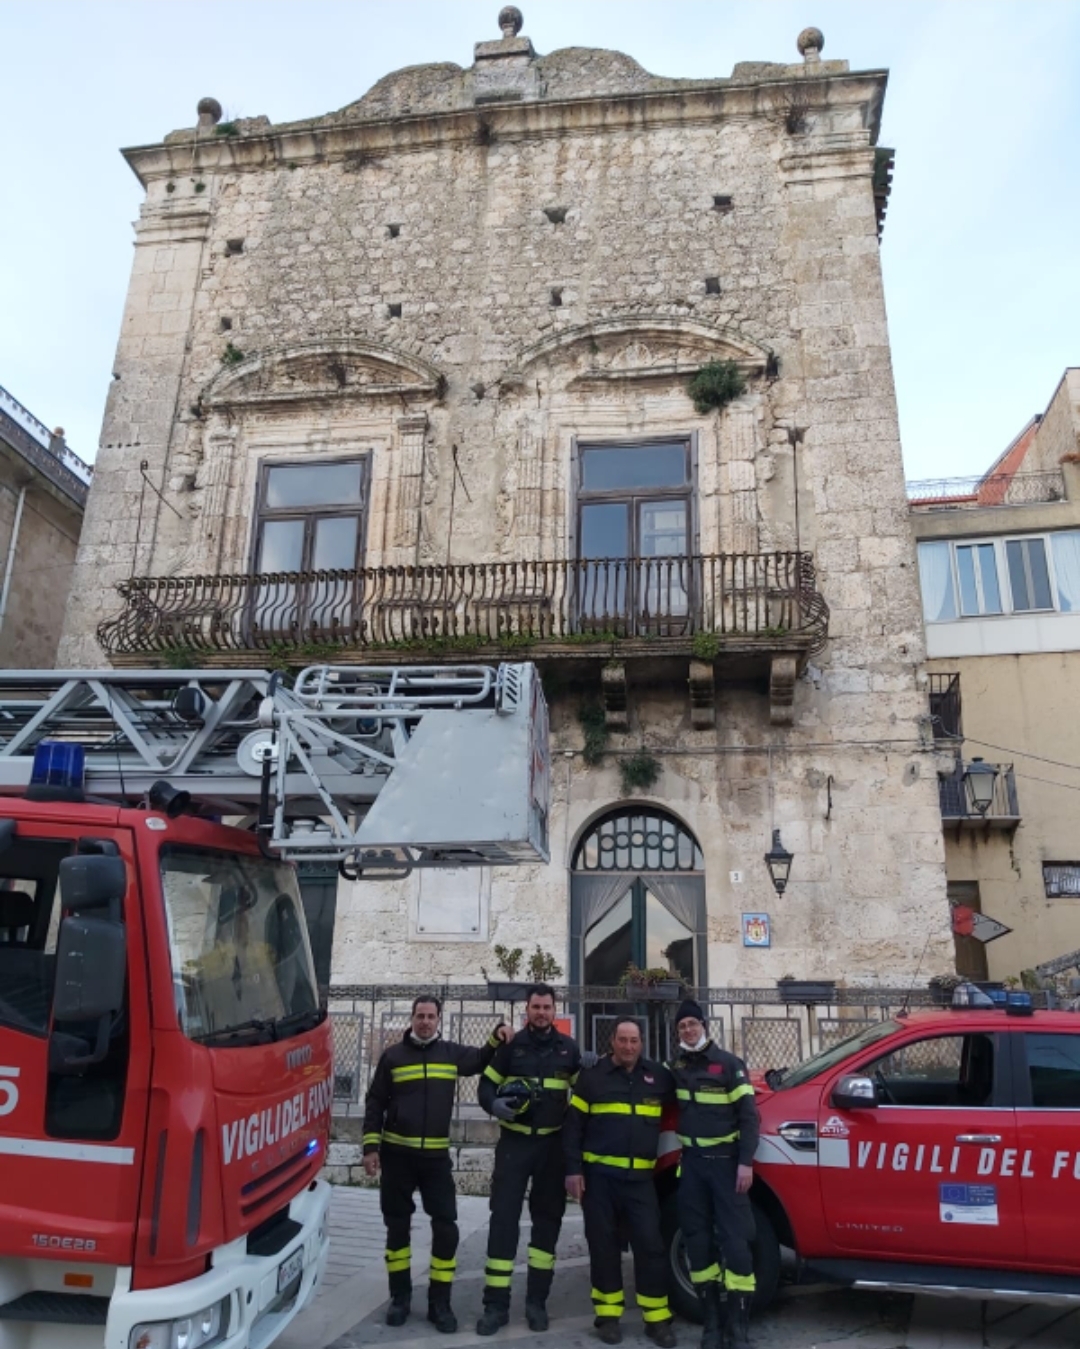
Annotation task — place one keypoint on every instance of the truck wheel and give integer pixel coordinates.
(765, 1248)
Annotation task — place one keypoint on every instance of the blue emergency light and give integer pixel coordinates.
(57, 763)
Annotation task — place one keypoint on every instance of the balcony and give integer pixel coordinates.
(991, 489)
(957, 810)
(759, 612)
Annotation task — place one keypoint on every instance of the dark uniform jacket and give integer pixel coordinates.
(411, 1097)
(549, 1063)
(717, 1113)
(614, 1118)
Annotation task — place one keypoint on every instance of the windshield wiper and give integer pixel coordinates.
(298, 1022)
(268, 1028)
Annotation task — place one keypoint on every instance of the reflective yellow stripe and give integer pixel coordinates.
(492, 1263)
(626, 1163)
(613, 1108)
(555, 1084)
(440, 1275)
(706, 1142)
(497, 1280)
(539, 1259)
(493, 1076)
(607, 1309)
(416, 1072)
(373, 1138)
(493, 1040)
(660, 1314)
(404, 1141)
(398, 1260)
(715, 1097)
(708, 1275)
(579, 1104)
(739, 1283)
(643, 1301)
(597, 1296)
(399, 1253)
(528, 1129)
(437, 1262)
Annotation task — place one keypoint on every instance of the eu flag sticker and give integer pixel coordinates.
(973, 1204)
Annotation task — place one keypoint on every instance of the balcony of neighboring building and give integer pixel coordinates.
(960, 805)
(41, 455)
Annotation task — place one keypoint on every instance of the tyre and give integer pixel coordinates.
(765, 1249)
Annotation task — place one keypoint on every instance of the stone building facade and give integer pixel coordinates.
(43, 490)
(999, 558)
(441, 342)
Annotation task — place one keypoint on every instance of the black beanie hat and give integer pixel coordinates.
(689, 1008)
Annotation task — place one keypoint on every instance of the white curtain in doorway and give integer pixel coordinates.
(1066, 548)
(935, 572)
(598, 894)
(682, 896)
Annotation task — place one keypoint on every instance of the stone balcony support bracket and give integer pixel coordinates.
(702, 695)
(782, 674)
(613, 693)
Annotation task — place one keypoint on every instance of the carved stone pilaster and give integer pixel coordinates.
(782, 676)
(739, 512)
(408, 474)
(215, 479)
(702, 694)
(613, 693)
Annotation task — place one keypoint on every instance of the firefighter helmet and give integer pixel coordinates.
(520, 1095)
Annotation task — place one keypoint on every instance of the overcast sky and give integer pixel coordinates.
(982, 265)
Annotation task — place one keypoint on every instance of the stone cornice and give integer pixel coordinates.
(688, 105)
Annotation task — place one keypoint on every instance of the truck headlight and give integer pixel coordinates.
(201, 1331)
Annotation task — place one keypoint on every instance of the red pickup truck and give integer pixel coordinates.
(937, 1151)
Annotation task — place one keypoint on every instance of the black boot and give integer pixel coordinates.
(713, 1331)
(739, 1319)
(662, 1334)
(439, 1311)
(398, 1311)
(536, 1314)
(608, 1330)
(492, 1319)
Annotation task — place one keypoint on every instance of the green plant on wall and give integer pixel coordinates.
(542, 967)
(715, 385)
(706, 645)
(231, 355)
(594, 725)
(638, 772)
(509, 961)
(180, 658)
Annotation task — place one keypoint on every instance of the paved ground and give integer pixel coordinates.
(349, 1312)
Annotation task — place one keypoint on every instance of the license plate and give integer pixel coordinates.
(290, 1269)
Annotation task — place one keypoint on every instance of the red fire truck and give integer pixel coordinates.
(165, 1061)
(932, 1152)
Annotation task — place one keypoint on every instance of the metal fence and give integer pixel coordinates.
(516, 605)
(991, 489)
(761, 1025)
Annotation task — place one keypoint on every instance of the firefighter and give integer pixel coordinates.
(611, 1136)
(526, 1087)
(407, 1131)
(718, 1130)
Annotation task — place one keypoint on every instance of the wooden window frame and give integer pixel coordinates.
(308, 514)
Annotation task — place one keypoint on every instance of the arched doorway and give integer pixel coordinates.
(637, 896)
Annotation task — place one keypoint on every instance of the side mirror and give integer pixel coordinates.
(93, 881)
(854, 1093)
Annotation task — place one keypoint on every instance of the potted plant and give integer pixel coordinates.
(507, 989)
(806, 990)
(652, 985)
(942, 987)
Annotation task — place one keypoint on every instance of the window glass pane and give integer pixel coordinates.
(605, 531)
(935, 574)
(669, 944)
(607, 943)
(335, 543)
(282, 546)
(1066, 546)
(1061, 878)
(314, 485)
(988, 575)
(949, 1070)
(29, 909)
(965, 568)
(615, 468)
(1028, 574)
(662, 529)
(1054, 1066)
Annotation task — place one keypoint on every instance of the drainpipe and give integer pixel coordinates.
(10, 565)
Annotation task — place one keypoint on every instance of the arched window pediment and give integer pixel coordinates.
(637, 838)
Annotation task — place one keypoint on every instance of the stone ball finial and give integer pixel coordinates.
(510, 20)
(209, 110)
(810, 40)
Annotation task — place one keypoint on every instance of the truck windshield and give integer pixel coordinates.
(829, 1058)
(239, 946)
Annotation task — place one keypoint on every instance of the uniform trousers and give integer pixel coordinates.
(615, 1204)
(717, 1224)
(403, 1173)
(535, 1162)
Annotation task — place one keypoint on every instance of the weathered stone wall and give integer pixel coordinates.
(41, 573)
(398, 287)
(1059, 430)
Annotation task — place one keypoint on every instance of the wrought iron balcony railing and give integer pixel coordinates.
(730, 600)
(957, 809)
